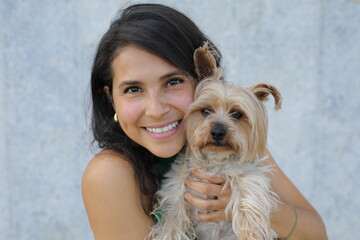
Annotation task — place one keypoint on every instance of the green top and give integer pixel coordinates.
(163, 165)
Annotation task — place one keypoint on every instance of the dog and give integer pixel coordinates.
(226, 128)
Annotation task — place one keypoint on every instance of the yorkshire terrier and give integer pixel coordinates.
(226, 128)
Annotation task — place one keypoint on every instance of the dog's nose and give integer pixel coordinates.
(217, 133)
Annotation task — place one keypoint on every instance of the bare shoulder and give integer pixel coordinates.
(107, 167)
(112, 198)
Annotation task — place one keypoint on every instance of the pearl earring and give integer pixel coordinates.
(116, 118)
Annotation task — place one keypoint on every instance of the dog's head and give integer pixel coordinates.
(224, 118)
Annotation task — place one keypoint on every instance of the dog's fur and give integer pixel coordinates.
(226, 130)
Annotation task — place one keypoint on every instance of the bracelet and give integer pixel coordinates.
(293, 228)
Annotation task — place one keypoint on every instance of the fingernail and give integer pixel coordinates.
(186, 195)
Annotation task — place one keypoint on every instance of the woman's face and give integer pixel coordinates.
(150, 98)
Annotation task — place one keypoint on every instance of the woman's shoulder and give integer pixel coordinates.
(106, 168)
(108, 171)
(107, 162)
(112, 197)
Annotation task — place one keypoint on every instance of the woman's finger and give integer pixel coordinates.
(205, 176)
(207, 188)
(206, 204)
(214, 216)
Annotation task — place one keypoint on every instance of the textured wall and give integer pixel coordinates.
(309, 49)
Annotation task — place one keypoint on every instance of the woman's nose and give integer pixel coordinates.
(156, 106)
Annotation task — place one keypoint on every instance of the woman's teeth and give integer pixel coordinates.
(164, 129)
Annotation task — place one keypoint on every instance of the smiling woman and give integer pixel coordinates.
(143, 77)
(142, 82)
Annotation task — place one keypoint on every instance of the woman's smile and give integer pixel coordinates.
(161, 130)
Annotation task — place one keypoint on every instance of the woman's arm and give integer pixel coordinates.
(113, 200)
(309, 223)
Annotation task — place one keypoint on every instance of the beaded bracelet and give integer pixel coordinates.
(293, 228)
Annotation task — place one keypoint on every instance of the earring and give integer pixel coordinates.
(115, 118)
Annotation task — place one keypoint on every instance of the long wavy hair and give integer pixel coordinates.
(159, 30)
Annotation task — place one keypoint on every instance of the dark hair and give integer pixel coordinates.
(157, 29)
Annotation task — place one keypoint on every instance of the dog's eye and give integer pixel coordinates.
(236, 114)
(205, 112)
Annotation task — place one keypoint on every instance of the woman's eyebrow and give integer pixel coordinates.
(136, 82)
(168, 75)
(130, 82)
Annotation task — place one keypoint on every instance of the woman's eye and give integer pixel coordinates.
(132, 89)
(174, 81)
(236, 115)
(205, 112)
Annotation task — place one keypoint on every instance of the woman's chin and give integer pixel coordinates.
(166, 154)
(167, 151)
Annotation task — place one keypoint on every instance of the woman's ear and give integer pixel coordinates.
(108, 94)
(205, 63)
(262, 91)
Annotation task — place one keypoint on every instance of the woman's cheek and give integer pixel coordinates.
(183, 99)
(129, 112)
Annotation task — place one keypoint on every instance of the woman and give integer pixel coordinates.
(142, 81)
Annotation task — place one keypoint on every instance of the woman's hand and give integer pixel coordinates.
(210, 186)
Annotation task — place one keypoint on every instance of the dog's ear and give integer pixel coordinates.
(204, 60)
(262, 91)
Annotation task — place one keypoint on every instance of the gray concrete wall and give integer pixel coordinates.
(309, 49)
